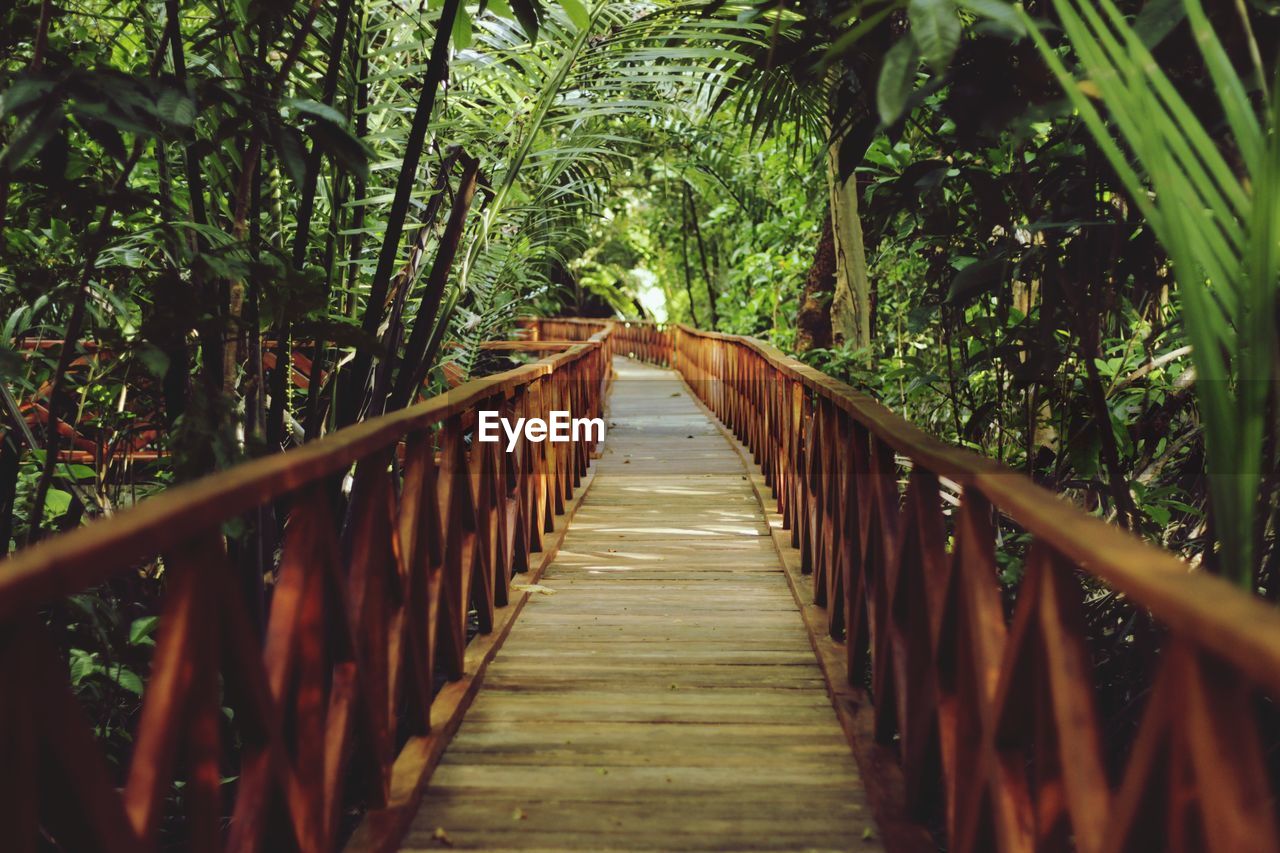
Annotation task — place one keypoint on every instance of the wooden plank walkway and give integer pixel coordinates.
(666, 695)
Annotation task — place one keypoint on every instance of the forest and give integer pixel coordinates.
(1048, 232)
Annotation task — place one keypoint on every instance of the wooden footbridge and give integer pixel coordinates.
(764, 614)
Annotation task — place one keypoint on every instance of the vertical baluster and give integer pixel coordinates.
(759, 393)
(556, 457)
(19, 744)
(980, 639)
(760, 422)
(810, 517)
(1196, 777)
(541, 476)
(881, 568)
(742, 394)
(793, 513)
(861, 502)
(156, 743)
(923, 569)
(203, 793)
(299, 682)
(300, 643)
(421, 555)
(819, 508)
(66, 784)
(458, 521)
(733, 390)
(336, 654)
(580, 408)
(483, 469)
(264, 766)
(513, 551)
(372, 586)
(1069, 737)
(832, 514)
(780, 435)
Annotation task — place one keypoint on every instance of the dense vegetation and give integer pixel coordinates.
(1019, 286)
(229, 228)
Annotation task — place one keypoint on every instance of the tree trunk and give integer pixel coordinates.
(702, 255)
(851, 302)
(684, 256)
(813, 321)
(358, 378)
(429, 323)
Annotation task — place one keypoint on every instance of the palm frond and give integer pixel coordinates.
(1219, 228)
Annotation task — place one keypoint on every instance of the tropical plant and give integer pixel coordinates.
(1218, 220)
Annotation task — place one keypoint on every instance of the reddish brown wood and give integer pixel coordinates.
(992, 718)
(19, 747)
(359, 618)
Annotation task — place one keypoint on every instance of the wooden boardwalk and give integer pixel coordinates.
(663, 693)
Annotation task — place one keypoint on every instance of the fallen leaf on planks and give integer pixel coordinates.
(441, 837)
(533, 587)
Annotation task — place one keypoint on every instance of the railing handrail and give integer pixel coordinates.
(420, 559)
(89, 555)
(1237, 626)
(964, 714)
(376, 590)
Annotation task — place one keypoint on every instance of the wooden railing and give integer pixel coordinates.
(989, 705)
(646, 341)
(987, 699)
(370, 597)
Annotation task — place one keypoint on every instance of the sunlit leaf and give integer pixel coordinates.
(936, 29)
(897, 78)
(577, 13)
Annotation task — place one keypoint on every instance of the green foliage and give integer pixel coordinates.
(1220, 226)
(935, 29)
(1080, 286)
(1024, 302)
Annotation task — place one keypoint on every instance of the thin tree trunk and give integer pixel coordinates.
(314, 417)
(210, 292)
(302, 237)
(403, 283)
(250, 163)
(851, 304)
(813, 320)
(255, 420)
(437, 70)
(419, 351)
(684, 255)
(37, 62)
(702, 255)
(97, 241)
(311, 179)
(1116, 478)
(42, 36)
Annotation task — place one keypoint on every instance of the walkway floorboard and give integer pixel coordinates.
(665, 696)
